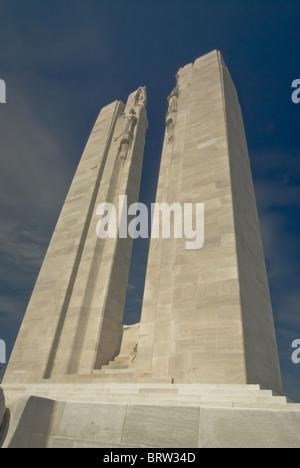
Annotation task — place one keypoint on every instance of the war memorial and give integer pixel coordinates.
(201, 368)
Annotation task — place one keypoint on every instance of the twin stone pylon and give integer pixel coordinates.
(73, 323)
(206, 314)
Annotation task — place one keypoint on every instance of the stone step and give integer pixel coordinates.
(124, 359)
(112, 377)
(118, 370)
(167, 400)
(131, 393)
(192, 390)
(114, 366)
(182, 397)
(120, 362)
(186, 389)
(157, 395)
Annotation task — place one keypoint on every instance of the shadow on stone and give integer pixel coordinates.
(35, 425)
(4, 427)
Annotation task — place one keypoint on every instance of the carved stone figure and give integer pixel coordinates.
(140, 99)
(171, 114)
(130, 123)
(170, 129)
(124, 148)
(173, 100)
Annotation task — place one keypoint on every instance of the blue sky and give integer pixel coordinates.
(62, 61)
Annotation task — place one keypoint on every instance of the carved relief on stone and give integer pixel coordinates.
(133, 353)
(127, 134)
(170, 129)
(173, 101)
(171, 114)
(124, 148)
(130, 123)
(141, 97)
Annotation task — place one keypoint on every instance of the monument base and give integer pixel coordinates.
(2, 407)
(148, 416)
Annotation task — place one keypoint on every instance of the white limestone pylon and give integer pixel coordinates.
(201, 369)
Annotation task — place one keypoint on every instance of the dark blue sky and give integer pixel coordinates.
(64, 60)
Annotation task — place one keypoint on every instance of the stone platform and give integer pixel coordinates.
(148, 416)
(2, 406)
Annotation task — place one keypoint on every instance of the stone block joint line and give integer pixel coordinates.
(193, 372)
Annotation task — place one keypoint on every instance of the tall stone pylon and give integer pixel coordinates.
(74, 320)
(191, 373)
(206, 315)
